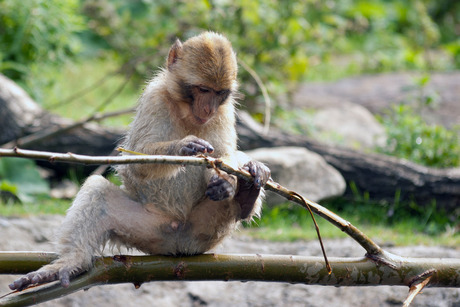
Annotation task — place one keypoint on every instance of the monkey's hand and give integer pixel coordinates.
(248, 192)
(221, 187)
(54, 271)
(192, 145)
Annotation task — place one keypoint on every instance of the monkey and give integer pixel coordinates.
(187, 109)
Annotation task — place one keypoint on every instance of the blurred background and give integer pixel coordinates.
(358, 81)
(398, 59)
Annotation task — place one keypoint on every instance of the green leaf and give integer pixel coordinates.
(21, 177)
(6, 186)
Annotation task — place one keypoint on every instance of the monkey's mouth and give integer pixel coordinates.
(201, 121)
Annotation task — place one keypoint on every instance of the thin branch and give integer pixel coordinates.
(130, 66)
(371, 247)
(323, 250)
(85, 90)
(111, 97)
(56, 130)
(264, 94)
(279, 268)
(420, 282)
(103, 167)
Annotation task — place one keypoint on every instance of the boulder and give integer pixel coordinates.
(348, 124)
(378, 92)
(302, 171)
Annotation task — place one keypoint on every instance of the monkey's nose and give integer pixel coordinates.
(208, 111)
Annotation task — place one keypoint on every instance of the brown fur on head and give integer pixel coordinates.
(201, 75)
(207, 59)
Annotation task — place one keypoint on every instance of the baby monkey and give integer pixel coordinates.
(187, 109)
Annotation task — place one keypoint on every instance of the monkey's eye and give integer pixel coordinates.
(222, 92)
(203, 89)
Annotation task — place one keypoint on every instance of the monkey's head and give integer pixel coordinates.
(202, 72)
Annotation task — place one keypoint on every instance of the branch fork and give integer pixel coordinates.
(381, 262)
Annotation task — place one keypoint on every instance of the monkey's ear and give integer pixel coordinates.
(174, 53)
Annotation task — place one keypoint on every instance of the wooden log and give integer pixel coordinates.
(384, 177)
(20, 116)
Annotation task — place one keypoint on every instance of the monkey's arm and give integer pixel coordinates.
(188, 146)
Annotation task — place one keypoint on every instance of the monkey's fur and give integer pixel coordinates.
(187, 109)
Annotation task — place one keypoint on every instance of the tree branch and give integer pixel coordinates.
(280, 268)
(417, 285)
(50, 132)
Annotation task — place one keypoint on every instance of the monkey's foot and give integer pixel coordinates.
(219, 188)
(259, 171)
(45, 275)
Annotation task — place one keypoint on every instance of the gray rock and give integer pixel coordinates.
(349, 124)
(378, 92)
(66, 189)
(302, 171)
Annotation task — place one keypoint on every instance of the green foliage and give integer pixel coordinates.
(35, 31)
(410, 137)
(20, 177)
(453, 48)
(398, 223)
(284, 41)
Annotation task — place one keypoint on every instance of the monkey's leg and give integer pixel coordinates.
(102, 211)
(210, 222)
(84, 231)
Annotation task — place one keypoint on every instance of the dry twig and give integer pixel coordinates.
(371, 247)
(417, 284)
(57, 130)
(262, 87)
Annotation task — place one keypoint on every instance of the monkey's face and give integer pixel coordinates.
(205, 101)
(203, 71)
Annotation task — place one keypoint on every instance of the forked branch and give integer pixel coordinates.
(383, 267)
(280, 268)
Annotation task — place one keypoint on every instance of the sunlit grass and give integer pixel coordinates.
(74, 77)
(282, 227)
(401, 234)
(289, 223)
(40, 207)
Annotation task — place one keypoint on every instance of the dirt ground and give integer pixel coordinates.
(36, 233)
